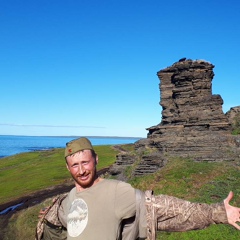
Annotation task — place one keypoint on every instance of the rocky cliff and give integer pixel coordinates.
(193, 124)
(233, 116)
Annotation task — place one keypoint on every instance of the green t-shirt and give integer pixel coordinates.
(96, 213)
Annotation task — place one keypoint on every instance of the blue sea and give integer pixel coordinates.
(10, 145)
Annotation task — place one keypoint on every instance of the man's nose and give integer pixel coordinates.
(81, 169)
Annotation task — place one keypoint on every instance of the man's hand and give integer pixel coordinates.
(233, 213)
(42, 212)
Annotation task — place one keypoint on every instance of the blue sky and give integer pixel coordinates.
(88, 67)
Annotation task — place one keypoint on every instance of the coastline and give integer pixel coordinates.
(15, 144)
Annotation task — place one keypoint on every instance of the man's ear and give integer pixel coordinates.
(96, 159)
(67, 167)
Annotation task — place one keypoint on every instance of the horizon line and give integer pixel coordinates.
(90, 136)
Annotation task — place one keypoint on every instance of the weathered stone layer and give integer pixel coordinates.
(193, 124)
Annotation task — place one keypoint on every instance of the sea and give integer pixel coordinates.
(10, 145)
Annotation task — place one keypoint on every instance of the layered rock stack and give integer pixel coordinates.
(193, 124)
(186, 97)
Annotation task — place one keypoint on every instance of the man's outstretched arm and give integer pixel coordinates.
(174, 214)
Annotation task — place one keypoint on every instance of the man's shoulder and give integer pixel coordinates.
(116, 183)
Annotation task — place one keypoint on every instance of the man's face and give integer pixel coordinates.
(82, 166)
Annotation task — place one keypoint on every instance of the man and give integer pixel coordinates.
(104, 209)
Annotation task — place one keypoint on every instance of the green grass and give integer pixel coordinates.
(183, 178)
(106, 156)
(198, 182)
(214, 232)
(26, 173)
(22, 224)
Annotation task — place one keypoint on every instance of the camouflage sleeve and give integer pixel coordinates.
(50, 225)
(62, 212)
(174, 214)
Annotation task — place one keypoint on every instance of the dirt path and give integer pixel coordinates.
(36, 198)
(31, 200)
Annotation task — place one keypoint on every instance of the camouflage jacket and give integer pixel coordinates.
(49, 227)
(166, 213)
(153, 213)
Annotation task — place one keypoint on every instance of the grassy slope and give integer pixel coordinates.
(198, 182)
(203, 182)
(26, 173)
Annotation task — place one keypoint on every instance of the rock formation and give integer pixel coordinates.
(193, 124)
(233, 116)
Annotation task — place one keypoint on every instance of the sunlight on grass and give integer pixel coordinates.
(195, 181)
(26, 173)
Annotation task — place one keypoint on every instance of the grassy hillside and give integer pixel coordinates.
(198, 182)
(27, 173)
(194, 181)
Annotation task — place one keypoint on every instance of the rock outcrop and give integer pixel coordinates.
(233, 116)
(193, 124)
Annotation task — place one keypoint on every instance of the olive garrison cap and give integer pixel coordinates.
(77, 145)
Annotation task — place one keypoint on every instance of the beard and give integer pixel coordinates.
(85, 180)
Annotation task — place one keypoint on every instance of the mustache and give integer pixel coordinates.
(82, 175)
(85, 173)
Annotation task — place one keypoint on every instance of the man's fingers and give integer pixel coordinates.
(42, 212)
(236, 226)
(229, 197)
